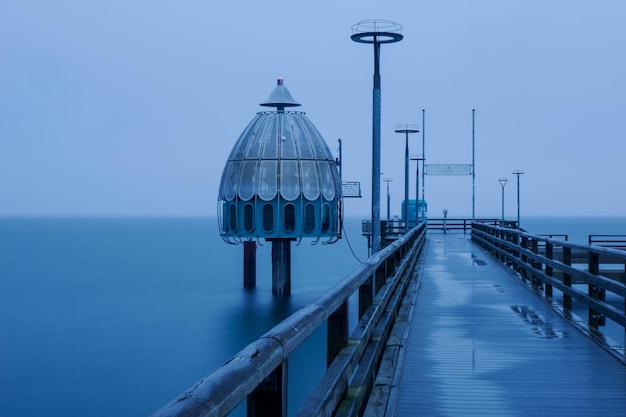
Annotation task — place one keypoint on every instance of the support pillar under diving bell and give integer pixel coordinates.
(281, 266)
(249, 264)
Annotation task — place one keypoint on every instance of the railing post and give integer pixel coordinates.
(595, 318)
(511, 238)
(549, 269)
(567, 278)
(535, 281)
(382, 272)
(366, 295)
(523, 259)
(337, 332)
(270, 397)
(502, 246)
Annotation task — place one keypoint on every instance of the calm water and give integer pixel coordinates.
(115, 317)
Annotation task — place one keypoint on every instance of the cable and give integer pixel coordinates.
(350, 246)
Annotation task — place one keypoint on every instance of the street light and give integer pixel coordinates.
(376, 32)
(503, 181)
(518, 172)
(388, 180)
(406, 129)
(418, 212)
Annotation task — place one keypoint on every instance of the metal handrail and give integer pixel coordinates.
(609, 241)
(376, 281)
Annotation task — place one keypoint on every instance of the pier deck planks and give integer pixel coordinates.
(480, 343)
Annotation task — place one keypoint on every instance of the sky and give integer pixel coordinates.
(118, 108)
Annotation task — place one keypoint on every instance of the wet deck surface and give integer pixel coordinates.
(482, 344)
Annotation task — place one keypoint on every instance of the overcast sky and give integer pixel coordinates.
(132, 107)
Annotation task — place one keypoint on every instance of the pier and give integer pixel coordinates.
(483, 320)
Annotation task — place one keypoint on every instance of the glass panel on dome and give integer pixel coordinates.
(247, 184)
(231, 180)
(289, 180)
(328, 185)
(287, 140)
(302, 136)
(221, 194)
(242, 143)
(253, 147)
(310, 180)
(268, 180)
(321, 148)
(337, 180)
(270, 135)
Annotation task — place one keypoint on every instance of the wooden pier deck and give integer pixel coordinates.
(481, 343)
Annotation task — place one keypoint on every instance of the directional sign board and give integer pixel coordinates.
(351, 189)
(448, 169)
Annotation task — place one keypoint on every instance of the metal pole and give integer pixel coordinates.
(473, 172)
(518, 172)
(518, 217)
(423, 150)
(376, 32)
(417, 187)
(388, 180)
(417, 195)
(406, 129)
(376, 151)
(340, 161)
(406, 183)
(503, 182)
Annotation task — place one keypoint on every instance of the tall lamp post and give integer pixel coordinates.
(417, 159)
(503, 181)
(376, 32)
(518, 172)
(388, 180)
(406, 129)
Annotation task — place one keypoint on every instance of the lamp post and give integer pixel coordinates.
(406, 129)
(417, 159)
(518, 172)
(503, 181)
(423, 151)
(376, 32)
(388, 180)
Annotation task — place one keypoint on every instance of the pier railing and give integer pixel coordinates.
(549, 264)
(392, 229)
(259, 372)
(454, 225)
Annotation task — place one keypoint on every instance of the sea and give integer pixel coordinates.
(117, 316)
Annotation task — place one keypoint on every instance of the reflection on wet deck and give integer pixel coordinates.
(482, 344)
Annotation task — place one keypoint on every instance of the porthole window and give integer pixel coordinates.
(325, 225)
(290, 218)
(309, 218)
(248, 218)
(233, 217)
(268, 218)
